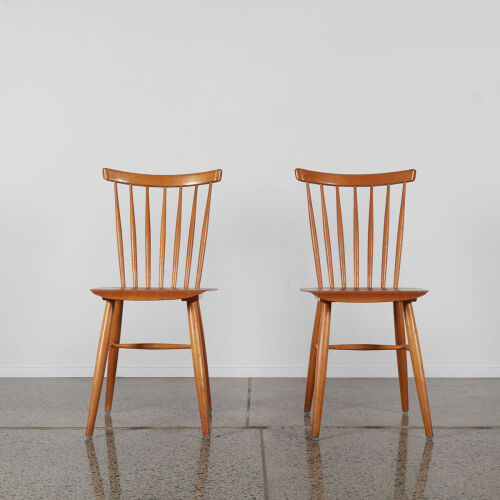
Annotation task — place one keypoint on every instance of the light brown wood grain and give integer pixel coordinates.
(385, 240)
(162, 180)
(359, 295)
(133, 238)
(198, 366)
(119, 238)
(311, 371)
(150, 346)
(203, 238)
(355, 237)
(399, 330)
(402, 298)
(109, 343)
(147, 224)
(326, 237)
(399, 240)
(162, 238)
(354, 179)
(189, 252)
(370, 241)
(177, 241)
(149, 293)
(314, 237)
(418, 367)
(204, 353)
(114, 338)
(368, 347)
(340, 236)
(100, 367)
(321, 368)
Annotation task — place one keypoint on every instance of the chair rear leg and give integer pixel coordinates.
(114, 337)
(100, 366)
(321, 367)
(205, 363)
(418, 367)
(312, 362)
(399, 329)
(198, 366)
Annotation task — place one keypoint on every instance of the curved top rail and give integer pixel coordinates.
(162, 180)
(314, 177)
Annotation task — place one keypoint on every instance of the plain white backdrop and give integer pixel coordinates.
(257, 89)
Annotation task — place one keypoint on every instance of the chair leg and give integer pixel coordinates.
(114, 337)
(100, 366)
(418, 367)
(198, 366)
(321, 366)
(399, 329)
(312, 362)
(205, 363)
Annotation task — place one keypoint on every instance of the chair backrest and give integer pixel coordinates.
(165, 182)
(355, 181)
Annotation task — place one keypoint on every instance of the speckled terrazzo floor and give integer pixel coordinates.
(260, 447)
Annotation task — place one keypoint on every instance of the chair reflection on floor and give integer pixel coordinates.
(315, 467)
(113, 469)
(401, 465)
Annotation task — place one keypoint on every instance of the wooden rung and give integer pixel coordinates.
(151, 346)
(368, 347)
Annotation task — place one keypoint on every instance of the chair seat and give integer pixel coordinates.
(366, 294)
(149, 293)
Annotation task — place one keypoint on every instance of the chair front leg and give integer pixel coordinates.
(321, 367)
(100, 367)
(312, 361)
(418, 367)
(114, 338)
(198, 365)
(399, 329)
(205, 363)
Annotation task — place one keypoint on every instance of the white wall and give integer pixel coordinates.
(257, 89)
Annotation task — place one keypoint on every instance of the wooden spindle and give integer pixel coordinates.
(147, 230)
(189, 253)
(370, 241)
(314, 237)
(133, 237)
(203, 238)
(162, 238)
(385, 241)
(119, 238)
(399, 241)
(177, 241)
(326, 234)
(355, 233)
(340, 234)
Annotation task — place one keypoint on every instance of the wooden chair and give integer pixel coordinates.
(109, 341)
(401, 298)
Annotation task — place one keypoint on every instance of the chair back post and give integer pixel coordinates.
(324, 179)
(165, 182)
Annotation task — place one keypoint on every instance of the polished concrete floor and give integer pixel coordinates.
(260, 448)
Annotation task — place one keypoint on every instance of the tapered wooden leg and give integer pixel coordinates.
(198, 366)
(114, 337)
(399, 329)
(100, 366)
(321, 366)
(418, 367)
(312, 361)
(204, 350)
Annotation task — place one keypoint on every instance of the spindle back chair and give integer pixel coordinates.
(402, 298)
(109, 342)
